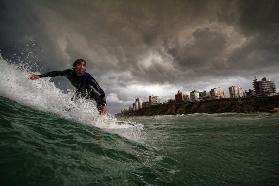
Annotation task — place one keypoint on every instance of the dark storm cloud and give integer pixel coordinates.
(259, 22)
(178, 44)
(20, 27)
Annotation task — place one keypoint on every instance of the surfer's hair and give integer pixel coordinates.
(78, 61)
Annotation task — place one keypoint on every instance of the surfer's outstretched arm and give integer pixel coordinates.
(49, 74)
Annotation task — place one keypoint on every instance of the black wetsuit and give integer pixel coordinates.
(86, 85)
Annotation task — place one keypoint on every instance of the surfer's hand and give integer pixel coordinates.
(34, 77)
(104, 110)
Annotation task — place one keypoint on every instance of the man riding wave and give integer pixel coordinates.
(87, 87)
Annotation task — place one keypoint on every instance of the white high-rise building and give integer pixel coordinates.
(217, 93)
(236, 92)
(138, 104)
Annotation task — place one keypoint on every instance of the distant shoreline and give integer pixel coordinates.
(252, 104)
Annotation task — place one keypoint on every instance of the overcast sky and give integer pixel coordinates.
(139, 48)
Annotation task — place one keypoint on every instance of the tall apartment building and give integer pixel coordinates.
(217, 93)
(236, 92)
(194, 96)
(180, 97)
(203, 95)
(154, 100)
(265, 87)
(138, 104)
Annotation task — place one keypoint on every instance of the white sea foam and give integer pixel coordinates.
(45, 96)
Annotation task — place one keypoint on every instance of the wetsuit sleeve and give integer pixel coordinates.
(92, 82)
(55, 73)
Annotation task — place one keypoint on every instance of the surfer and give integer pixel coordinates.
(87, 87)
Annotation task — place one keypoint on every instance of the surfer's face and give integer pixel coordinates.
(80, 69)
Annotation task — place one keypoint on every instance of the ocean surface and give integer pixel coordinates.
(46, 139)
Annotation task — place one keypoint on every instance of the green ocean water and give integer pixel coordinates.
(42, 148)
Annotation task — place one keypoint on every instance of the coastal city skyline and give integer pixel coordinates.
(260, 87)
